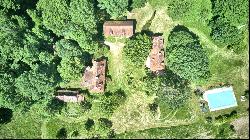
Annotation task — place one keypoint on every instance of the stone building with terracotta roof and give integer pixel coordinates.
(94, 77)
(118, 28)
(155, 60)
(69, 96)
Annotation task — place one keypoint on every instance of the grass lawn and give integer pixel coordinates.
(55, 124)
(23, 125)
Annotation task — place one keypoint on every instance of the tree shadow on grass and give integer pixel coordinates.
(179, 28)
(89, 124)
(62, 133)
(5, 115)
(56, 105)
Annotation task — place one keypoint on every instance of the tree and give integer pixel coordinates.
(234, 11)
(35, 85)
(137, 49)
(186, 57)
(72, 62)
(111, 101)
(71, 68)
(138, 3)
(74, 20)
(7, 90)
(67, 48)
(10, 37)
(224, 33)
(82, 12)
(55, 105)
(116, 8)
(9, 4)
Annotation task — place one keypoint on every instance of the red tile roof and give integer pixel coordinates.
(118, 28)
(156, 57)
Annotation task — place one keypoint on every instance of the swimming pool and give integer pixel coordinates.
(220, 98)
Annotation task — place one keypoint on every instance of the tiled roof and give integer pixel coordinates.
(118, 28)
(155, 60)
(118, 23)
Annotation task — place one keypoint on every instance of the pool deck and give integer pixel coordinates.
(218, 91)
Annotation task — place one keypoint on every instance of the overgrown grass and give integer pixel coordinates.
(196, 130)
(141, 15)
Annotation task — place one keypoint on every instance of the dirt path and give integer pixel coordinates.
(241, 126)
(116, 61)
(44, 129)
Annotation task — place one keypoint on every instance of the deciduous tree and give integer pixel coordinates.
(116, 8)
(186, 57)
(137, 49)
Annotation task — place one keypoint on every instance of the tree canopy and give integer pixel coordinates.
(35, 85)
(72, 59)
(137, 49)
(234, 11)
(115, 8)
(185, 56)
(74, 20)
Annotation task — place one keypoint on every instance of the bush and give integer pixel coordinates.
(86, 105)
(209, 119)
(153, 107)
(224, 131)
(186, 10)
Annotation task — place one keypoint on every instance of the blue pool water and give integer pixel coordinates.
(221, 99)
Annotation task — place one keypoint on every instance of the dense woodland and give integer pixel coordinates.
(46, 44)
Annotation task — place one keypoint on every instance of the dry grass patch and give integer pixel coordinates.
(141, 15)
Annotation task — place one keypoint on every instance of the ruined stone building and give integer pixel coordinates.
(94, 77)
